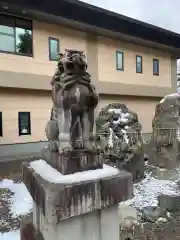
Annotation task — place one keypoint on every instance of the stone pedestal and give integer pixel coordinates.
(83, 205)
(72, 162)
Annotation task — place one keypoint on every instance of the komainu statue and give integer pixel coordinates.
(69, 131)
(74, 100)
(118, 135)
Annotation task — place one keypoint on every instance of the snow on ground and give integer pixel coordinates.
(147, 191)
(19, 204)
(21, 201)
(14, 235)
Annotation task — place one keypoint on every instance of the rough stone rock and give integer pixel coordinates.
(119, 138)
(169, 203)
(151, 214)
(165, 141)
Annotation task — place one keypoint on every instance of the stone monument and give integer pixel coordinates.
(164, 150)
(76, 195)
(120, 140)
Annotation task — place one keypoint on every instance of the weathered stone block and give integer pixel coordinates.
(169, 203)
(65, 198)
(28, 231)
(72, 162)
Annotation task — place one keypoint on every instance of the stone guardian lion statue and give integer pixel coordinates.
(74, 100)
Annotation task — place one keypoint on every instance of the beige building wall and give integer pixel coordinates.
(107, 64)
(40, 64)
(37, 103)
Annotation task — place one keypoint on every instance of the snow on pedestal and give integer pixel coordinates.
(79, 205)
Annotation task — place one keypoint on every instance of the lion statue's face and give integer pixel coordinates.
(73, 61)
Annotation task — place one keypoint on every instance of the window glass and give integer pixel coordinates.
(155, 66)
(139, 64)
(53, 49)
(16, 35)
(7, 30)
(7, 43)
(24, 123)
(23, 41)
(120, 61)
(1, 125)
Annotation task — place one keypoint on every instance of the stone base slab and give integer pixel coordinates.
(75, 161)
(75, 194)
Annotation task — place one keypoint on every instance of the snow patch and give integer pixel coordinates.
(14, 235)
(50, 174)
(126, 139)
(123, 116)
(110, 141)
(178, 134)
(147, 191)
(21, 201)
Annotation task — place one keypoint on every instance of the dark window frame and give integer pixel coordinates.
(122, 54)
(139, 56)
(155, 60)
(49, 43)
(1, 125)
(14, 26)
(29, 123)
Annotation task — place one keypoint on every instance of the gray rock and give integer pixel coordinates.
(169, 203)
(151, 214)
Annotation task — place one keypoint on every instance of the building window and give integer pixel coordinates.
(1, 125)
(120, 61)
(139, 64)
(16, 35)
(24, 120)
(155, 67)
(53, 49)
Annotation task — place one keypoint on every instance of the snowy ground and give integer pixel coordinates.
(15, 202)
(147, 191)
(19, 203)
